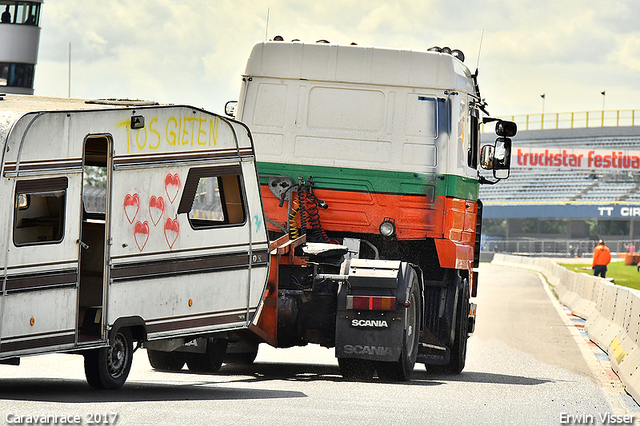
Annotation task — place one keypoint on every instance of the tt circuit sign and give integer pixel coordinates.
(619, 211)
(592, 159)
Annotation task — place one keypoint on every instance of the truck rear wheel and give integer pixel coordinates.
(211, 360)
(402, 369)
(459, 348)
(458, 353)
(108, 368)
(167, 361)
(243, 358)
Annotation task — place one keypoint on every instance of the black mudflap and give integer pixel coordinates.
(432, 348)
(371, 335)
(441, 316)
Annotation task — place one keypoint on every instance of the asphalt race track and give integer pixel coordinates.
(528, 364)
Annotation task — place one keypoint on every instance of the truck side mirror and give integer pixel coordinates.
(502, 158)
(506, 129)
(497, 157)
(230, 108)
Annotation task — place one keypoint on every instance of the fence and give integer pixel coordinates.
(555, 247)
(570, 120)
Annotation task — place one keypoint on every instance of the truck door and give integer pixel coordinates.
(94, 237)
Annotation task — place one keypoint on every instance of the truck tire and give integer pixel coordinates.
(211, 360)
(402, 369)
(459, 348)
(108, 368)
(458, 353)
(242, 358)
(166, 361)
(356, 369)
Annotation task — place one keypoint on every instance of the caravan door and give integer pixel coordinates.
(94, 235)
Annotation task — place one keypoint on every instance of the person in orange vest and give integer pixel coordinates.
(601, 258)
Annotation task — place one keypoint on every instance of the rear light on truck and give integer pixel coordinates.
(371, 303)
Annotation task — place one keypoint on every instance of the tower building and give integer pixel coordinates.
(19, 40)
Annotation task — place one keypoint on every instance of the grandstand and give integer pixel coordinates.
(564, 186)
(597, 199)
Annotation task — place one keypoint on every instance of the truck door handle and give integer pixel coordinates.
(83, 245)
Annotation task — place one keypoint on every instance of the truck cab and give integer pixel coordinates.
(376, 150)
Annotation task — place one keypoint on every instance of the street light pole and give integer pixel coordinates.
(604, 96)
(69, 82)
(543, 96)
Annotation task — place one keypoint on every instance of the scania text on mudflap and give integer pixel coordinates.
(370, 162)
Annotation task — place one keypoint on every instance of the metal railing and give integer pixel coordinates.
(555, 248)
(571, 120)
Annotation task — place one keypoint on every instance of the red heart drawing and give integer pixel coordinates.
(172, 186)
(141, 234)
(156, 209)
(171, 231)
(131, 206)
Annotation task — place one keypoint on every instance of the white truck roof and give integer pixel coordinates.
(359, 64)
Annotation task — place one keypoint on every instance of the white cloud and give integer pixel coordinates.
(626, 54)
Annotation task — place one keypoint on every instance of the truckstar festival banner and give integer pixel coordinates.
(592, 159)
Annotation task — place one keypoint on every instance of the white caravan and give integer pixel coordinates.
(125, 222)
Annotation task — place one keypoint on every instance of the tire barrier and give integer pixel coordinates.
(612, 313)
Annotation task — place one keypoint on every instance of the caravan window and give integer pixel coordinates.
(39, 210)
(213, 197)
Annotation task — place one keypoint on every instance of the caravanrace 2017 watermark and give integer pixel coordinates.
(61, 419)
(597, 419)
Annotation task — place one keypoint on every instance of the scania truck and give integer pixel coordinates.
(369, 162)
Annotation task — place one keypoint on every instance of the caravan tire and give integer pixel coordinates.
(108, 368)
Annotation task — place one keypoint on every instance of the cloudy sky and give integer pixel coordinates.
(194, 51)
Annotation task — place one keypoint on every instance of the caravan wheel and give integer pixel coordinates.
(108, 368)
